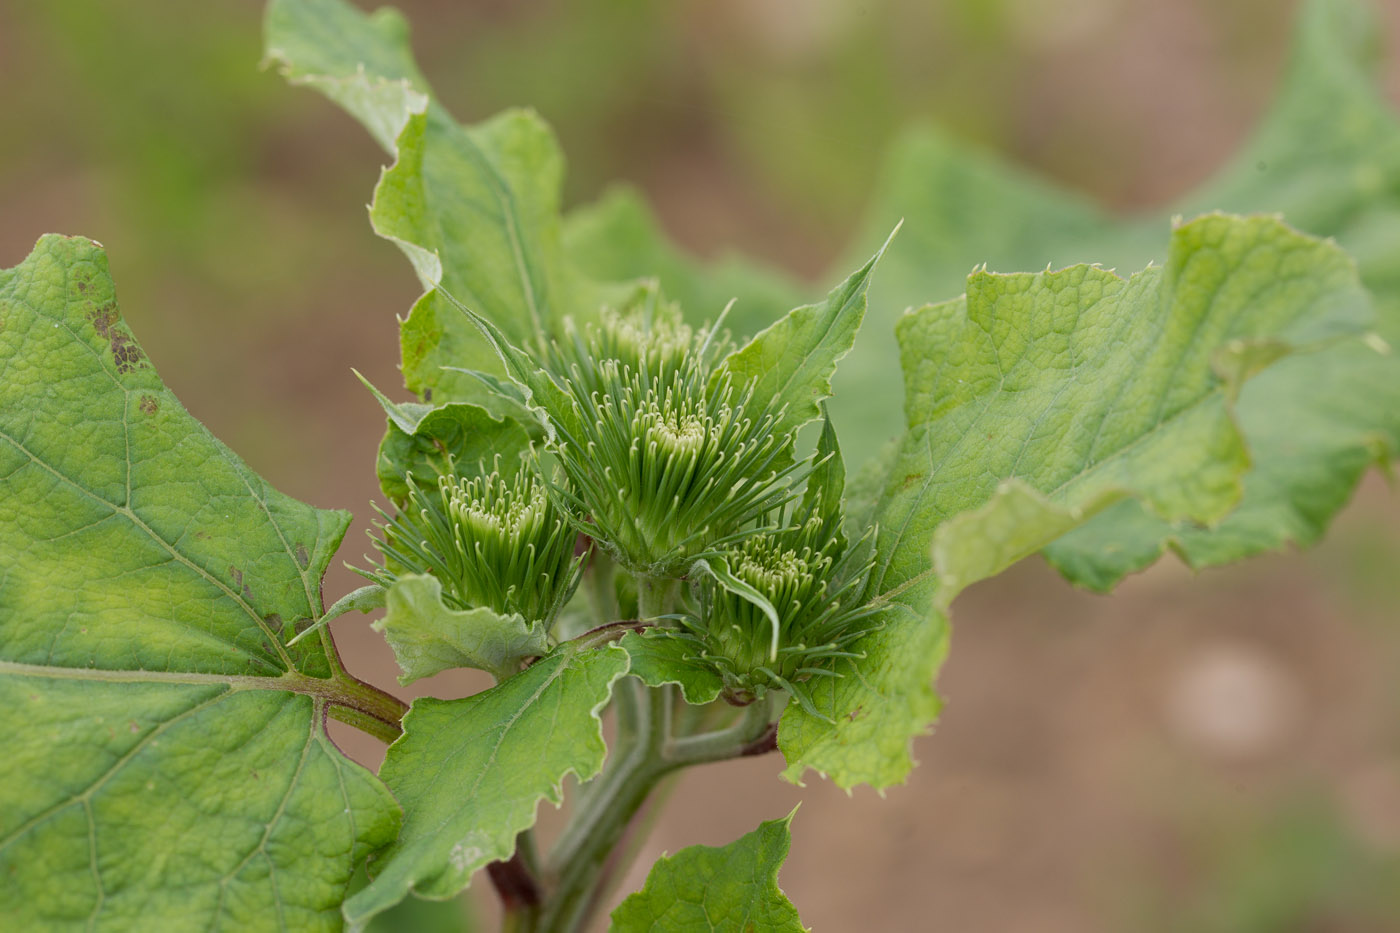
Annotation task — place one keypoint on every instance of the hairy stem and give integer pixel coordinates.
(583, 851)
(595, 850)
(740, 740)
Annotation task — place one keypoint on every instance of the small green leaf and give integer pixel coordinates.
(826, 484)
(365, 599)
(543, 396)
(165, 752)
(660, 657)
(476, 211)
(428, 637)
(429, 441)
(716, 890)
(792, 361)
(470, 773)
(363, 63)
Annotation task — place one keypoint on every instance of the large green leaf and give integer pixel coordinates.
(476, 209)
(166, 760)
(1327, 155)
(470, 773)
(716, 890)
(1078, 388)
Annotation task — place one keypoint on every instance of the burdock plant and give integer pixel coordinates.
(655, 538)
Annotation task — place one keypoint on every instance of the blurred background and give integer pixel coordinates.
(1212, 752)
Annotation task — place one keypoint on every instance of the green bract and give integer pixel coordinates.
(493, 542)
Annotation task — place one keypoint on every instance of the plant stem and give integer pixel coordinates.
(373, 725)
(594, 849)
(734, 741)
(583, 851)
(656, 596)
(591, 854)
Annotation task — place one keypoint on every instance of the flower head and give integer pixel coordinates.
(668, 459)
(812, 588)
(490, 541)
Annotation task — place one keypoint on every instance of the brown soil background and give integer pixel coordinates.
(1196, 752)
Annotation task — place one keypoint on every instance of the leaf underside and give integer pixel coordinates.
(1036, 401)
(167, 766)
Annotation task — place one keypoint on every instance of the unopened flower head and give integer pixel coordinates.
(649, 337)
(816, 585)
(670, 458)
(489, 540)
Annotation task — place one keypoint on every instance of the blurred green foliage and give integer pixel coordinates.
(1300, 867)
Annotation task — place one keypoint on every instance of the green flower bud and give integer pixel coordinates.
(816, 587)
(670, 459)
(490, 542)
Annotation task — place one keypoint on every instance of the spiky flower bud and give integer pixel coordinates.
(814, 584)
(490, 541)
(670, 459)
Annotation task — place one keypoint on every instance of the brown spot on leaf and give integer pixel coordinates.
(303, 557)
(127, 354)
(103, 319)
(247, 592)
(910, 479)
(135, 727)
(237, 575)
(107, 323)
(202, 535)
(150, 404)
